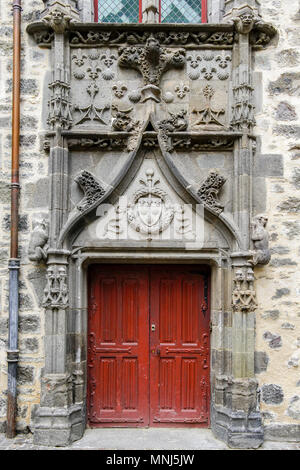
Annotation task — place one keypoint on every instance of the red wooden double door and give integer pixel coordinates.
(148, 351)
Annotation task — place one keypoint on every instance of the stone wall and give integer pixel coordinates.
(33, 203)
(277, 181)
(278, 316)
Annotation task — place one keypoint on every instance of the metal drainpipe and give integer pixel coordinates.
(14, 262)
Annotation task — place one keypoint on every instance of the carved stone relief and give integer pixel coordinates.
(243, 295)
(38, 244)
(92, 189)
(150, 211)
(209, 65)
(56, 294)
(260, 238)
(176, 122)
(209, 191)
(59, 103)
(151, 61)
(208, 115)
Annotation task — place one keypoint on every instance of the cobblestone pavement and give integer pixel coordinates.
(140, 439)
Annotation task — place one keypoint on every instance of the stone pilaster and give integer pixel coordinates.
(236, 417)
(59, 419)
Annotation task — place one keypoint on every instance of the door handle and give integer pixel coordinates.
(156, 352)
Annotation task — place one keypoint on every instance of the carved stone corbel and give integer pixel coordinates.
(59, 15)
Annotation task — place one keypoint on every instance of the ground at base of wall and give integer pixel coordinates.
(140, 439)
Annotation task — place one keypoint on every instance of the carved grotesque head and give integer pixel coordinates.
(261, 219)
(152, 50)
(250, 275)
(247, 18)
(245, 21)
(57, 16)
(239, 275)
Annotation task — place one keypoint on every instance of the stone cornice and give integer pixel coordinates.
(221, 35)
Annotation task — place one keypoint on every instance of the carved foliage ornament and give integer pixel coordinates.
(209, 191)
(150, 211)
(168, 38)
(176, 123)
(151, 61)
(92, 189)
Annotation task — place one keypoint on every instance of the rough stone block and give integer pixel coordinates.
(272, 394)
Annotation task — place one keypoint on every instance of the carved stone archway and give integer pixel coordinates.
(184, 93)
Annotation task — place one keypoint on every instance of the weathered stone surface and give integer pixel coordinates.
(25, 302)
(29, 345)
(29, 86)
(274, 341)
(37, 193)
(23, 223)
(280, 250)
(287, 83)
(283, 262)
(294, 407)
(25, 375)
(272, 394)
(288, 58)
(296, 178)
(281, 292)
(268, 165)
(261, 361)
(282, 432)
(287, 131)
(288, 326)
(285, 112)
(292, 229)
(292, 204)
(29, 323)
(37, 277)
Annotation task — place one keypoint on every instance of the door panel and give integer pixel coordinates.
(148, 354)
(118, 352)
(179, 349)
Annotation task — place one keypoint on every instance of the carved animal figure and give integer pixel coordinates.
(260, 238)
(37, 249)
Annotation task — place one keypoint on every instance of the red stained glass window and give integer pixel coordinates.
(170, 11)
